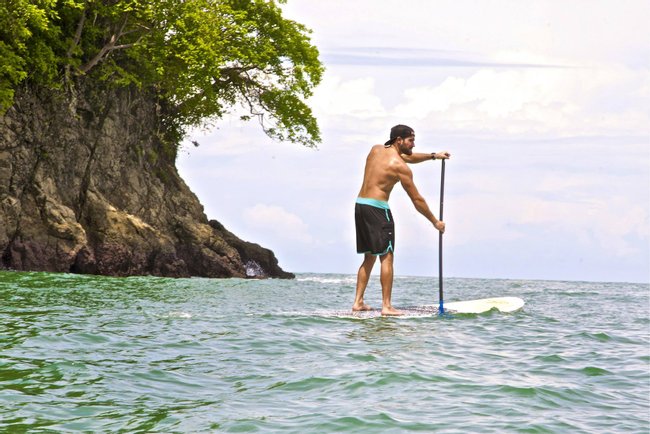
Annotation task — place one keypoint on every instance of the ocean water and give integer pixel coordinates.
(142, 354)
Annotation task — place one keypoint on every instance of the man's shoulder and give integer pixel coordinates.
(376, 151)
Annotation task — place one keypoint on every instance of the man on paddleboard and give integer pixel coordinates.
(385, 167)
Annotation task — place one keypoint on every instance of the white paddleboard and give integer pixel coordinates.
(502, 304)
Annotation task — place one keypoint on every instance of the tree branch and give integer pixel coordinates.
(111, 45)
(100, 55)
(77, 35)
(123, 46)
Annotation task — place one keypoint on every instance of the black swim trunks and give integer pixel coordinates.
(375, 227)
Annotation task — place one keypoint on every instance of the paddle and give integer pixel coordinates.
(441, 309)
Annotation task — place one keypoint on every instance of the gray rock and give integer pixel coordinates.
(88, 184)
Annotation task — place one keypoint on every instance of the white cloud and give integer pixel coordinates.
(562, 182)
(357, 98)
(592, 222)
(540, 101)
(278, 222)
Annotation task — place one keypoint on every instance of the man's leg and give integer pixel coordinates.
(387, 285)
(362, 281)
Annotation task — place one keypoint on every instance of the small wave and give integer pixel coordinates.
(551, 358)
(593, 371)
(179, 315)
(602, 337)
(519, 390)
(303, 384)
(329, 280)
(368, 422)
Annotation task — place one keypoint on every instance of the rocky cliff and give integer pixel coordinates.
(88, 184)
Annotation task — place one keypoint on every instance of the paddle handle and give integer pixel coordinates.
(441, 308)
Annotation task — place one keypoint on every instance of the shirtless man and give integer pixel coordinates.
(385, 167)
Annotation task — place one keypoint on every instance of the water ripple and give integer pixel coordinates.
(98, 354)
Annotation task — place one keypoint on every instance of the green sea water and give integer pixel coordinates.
(142, 354)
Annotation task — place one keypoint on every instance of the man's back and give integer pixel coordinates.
(381, 172)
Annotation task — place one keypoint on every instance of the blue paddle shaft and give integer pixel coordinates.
(442, 201)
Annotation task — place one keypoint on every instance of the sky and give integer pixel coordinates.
(544, 106)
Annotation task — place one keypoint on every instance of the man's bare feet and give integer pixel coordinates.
(391, 311)
(360, 307)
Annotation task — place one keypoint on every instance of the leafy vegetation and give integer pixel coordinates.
(200, 58)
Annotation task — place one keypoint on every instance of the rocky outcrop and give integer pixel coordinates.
(88, 184)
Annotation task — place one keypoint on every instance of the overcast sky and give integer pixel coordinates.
(544, 105)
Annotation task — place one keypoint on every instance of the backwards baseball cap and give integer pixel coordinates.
(399, 131)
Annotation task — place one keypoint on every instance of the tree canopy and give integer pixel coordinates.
(201, 58)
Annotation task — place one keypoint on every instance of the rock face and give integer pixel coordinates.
(88, 184)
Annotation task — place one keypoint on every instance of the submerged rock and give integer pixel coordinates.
(88, 184)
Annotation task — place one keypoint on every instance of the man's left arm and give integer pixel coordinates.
(419, 157)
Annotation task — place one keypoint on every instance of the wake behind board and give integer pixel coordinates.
(502, 304)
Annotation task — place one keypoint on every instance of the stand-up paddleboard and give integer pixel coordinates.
(407, 312)
(502, 304)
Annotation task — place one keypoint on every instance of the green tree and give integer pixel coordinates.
(200, 58)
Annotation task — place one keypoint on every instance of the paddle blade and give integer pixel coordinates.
(502, 304)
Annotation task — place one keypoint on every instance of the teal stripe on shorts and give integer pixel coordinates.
(373, 202)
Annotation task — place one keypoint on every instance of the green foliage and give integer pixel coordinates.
(20, 20)
(201, 58)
